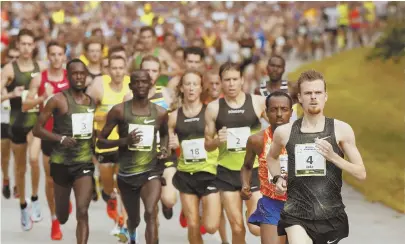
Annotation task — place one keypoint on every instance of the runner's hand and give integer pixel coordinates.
(173, 141)
(134, 137)
(163, 154)
(18, 90)
(281, 186)
(69, 142)
(325, 149)
(222, 135)
(245, 193)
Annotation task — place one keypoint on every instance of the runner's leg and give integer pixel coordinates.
(211, 212)
(169, 192)
(297, 235)
(190, 205)
(5, 161)
(222, 227)
(20, 156)
(269, 235)
(34, 148)
(62, 196)
(251, 205)
(233, 208)
(49, 186)
(150, 194)
(83, 189)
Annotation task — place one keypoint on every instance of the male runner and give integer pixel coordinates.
(71, 158)
(314, 211)
(275, 70)
(19, 74)
(212, 87)
(93, 48)
(51, 81)
(267, 214)
(229, 123)
(107, 91)
(193, 59)
(140, 170)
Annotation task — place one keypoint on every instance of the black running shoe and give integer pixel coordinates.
(167, 212)
(6, 191)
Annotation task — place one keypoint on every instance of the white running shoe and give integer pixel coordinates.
(26, 222)
(36, 214)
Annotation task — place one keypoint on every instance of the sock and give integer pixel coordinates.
(105, 196)
(132, 235)
(23, 206)
(34, 198)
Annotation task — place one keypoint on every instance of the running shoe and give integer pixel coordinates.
(203, 231)
(183, 220)
(123, 235)
(36, 214)
(26, 222)
(6, 189)
(56, 233)
(134, 237)
(167, 212)
(112, 209)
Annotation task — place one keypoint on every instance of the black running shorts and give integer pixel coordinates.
(65, 175)
(200, 183)
(133, 184)
(107, 157)
(4, 131)
(229, 180)
(328, 231)
(47, 147)
(18, 135)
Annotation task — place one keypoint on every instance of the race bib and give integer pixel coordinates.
(82, 125)
(308, 162)
(194, 151)
(148, 136)
(5, 105)
(24, 97)
(237, 139)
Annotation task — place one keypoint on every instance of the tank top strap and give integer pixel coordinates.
(16, 69)
(36, 67)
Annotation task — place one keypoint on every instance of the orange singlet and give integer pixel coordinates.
(266, 188)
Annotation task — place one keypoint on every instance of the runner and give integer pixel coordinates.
(267, 214)
(314, 211)
(193, 59)
(140, 170)
(107, 91)
(14, 76)
(92, 57)
(196, 169)
(42, 88)
(229, 123)
(212, 87)
(71, 159)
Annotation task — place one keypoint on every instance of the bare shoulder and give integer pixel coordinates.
(8, 70)
(161, 112)
(213, 106)
(282, 133)
(257, 138)
(343, 130)
(258, 98)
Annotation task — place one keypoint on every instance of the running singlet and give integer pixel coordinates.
(57, 86)
(158, 98)
(110, 98)
(193, 157)
(78, 124)
(314, 184)
(162, 79)
(240, 123)
(266, 187)
(141, 157)
(18, 118)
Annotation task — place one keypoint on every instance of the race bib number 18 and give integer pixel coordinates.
(237, 139)
(148, 136)
(194, 151)
(82, 125)
(308, 162)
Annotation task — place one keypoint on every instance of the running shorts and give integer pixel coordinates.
(107, 157)
(133, 184)
(4, 131)
(267, 212)
(65, 175)
(200, 183)
(18, 135)
(47, 147)
(229, 180)
(320, 231)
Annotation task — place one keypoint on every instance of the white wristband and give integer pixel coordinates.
(61, 140)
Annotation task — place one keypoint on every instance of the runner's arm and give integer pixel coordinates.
(250, 156)
(95, 91)
(273, 161)
(112, 120)
(39, 129)
(7, 76)
(164, 131)
(211, 139)
(173, 138)
(354, 165)
(31, 101)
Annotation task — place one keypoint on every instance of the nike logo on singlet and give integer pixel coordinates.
(60, 86)
(34, 74)
(148, 121)
(90, 110)
(236, 111)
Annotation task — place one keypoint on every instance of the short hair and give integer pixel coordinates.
(278, 94)
(115, 57)
(75, 60)
(116, 49)
(169, 34)
(93, 31)
(56, 43)
(93, 40)
(147, 28)
(137, 73)
(229, 66)
(276, 56)
(178, 49)
(308, 76)
(25, 32)
(194, 50)
(150, 58)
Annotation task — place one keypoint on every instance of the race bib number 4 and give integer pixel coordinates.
(147, 139)
(308, 162)
(24, 97)
(237, 139)
(82, 125)
(194, 151)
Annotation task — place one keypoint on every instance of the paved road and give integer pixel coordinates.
(369, 223)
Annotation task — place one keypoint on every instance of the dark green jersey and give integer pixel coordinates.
(141, 157)
(76, 123)
(18, 118)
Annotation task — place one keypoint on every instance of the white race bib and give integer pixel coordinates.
(148, 136)
(237, 139)
(24, 97)
(194, 151)
(82, 125)
(308, 162)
